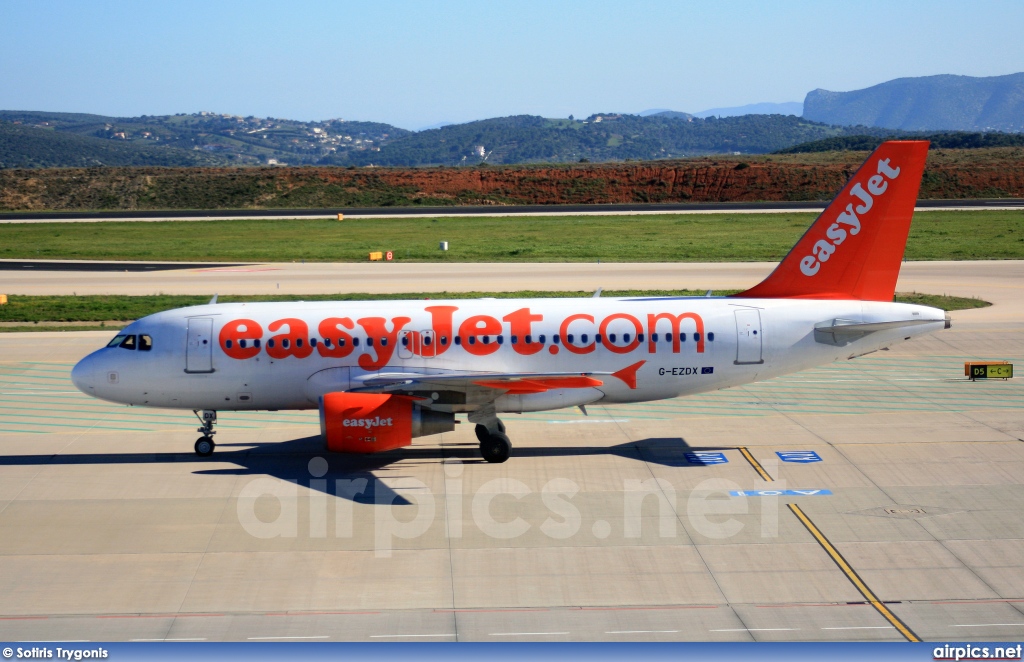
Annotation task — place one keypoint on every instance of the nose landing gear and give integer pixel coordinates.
(204, 444)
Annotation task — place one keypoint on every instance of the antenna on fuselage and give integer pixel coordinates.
(708, 293)
(213, 300)
(597, 293)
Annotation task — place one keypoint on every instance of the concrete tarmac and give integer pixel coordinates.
(598, 528)
(1001, 279)
(501, 210)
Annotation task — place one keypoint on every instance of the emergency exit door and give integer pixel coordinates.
(417, 343)
(748, 336)
(199, 347)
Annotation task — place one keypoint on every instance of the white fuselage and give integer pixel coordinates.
(190, 365)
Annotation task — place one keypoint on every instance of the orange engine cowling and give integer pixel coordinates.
(374, 422)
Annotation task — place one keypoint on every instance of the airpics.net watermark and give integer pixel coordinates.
(406, 508)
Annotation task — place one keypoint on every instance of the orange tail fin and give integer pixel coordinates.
(853, 250)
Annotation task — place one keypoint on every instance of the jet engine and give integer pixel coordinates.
(374, 422)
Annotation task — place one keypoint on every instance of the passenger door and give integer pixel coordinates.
(748, 336)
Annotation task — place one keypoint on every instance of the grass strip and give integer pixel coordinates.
(724, 237)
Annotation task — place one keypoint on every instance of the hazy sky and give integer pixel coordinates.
(414, 64)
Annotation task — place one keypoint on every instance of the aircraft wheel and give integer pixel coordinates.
(496, 448)
(482, 432)
(204, 446)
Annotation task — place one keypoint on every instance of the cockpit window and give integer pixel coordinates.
(116, 341)
(145, 343)
(128, 343)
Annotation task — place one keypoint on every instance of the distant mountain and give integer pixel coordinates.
(929, 103)
(435, 126)
(787, 108)
(664, 112)
(672, 114)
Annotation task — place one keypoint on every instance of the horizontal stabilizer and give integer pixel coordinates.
(849, 326)
(842, 332)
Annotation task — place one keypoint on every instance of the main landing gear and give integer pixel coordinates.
(204, 444)
(495, 445)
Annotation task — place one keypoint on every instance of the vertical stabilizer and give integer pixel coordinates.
(854, 249)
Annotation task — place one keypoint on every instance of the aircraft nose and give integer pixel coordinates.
(83, 375)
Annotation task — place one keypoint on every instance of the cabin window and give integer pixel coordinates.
(458, 340)
(682, 337)
(355, 342)
(383, 342)
(529, 339)
(145, 343)
(515, 340)
(696, 337)
(487, 340)
(369, 342)
(711, 336)
(472, 340)
(611, 337)
(625, 337)
(241, 343)
(427, 340)
(583, 338)
(541, 339)
(298, 342)
(444, 340)
(256, 343)
(654, 337)
(554, 339)
(270, 343)
(501, 340)
(116, 341)
(128, 342)
(327, 342)
(285, 343)
(640, 337)
(228, 344)
(597, 338)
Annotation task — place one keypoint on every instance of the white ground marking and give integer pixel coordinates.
(321, 636)
(386, 636)
(522, 634)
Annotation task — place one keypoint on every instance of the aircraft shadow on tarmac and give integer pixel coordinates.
(290, 461)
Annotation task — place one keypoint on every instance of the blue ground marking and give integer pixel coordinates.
(705, 458)
(768, 493)
(802, 457)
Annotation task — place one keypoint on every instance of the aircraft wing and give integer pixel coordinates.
(502, 382)
(509, 382)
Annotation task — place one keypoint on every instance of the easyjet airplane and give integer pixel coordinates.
(384, 372)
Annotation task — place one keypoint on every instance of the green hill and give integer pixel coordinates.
(227, 139)
(605, 137)
(31, 147)
(945, 140)
(928, 103)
